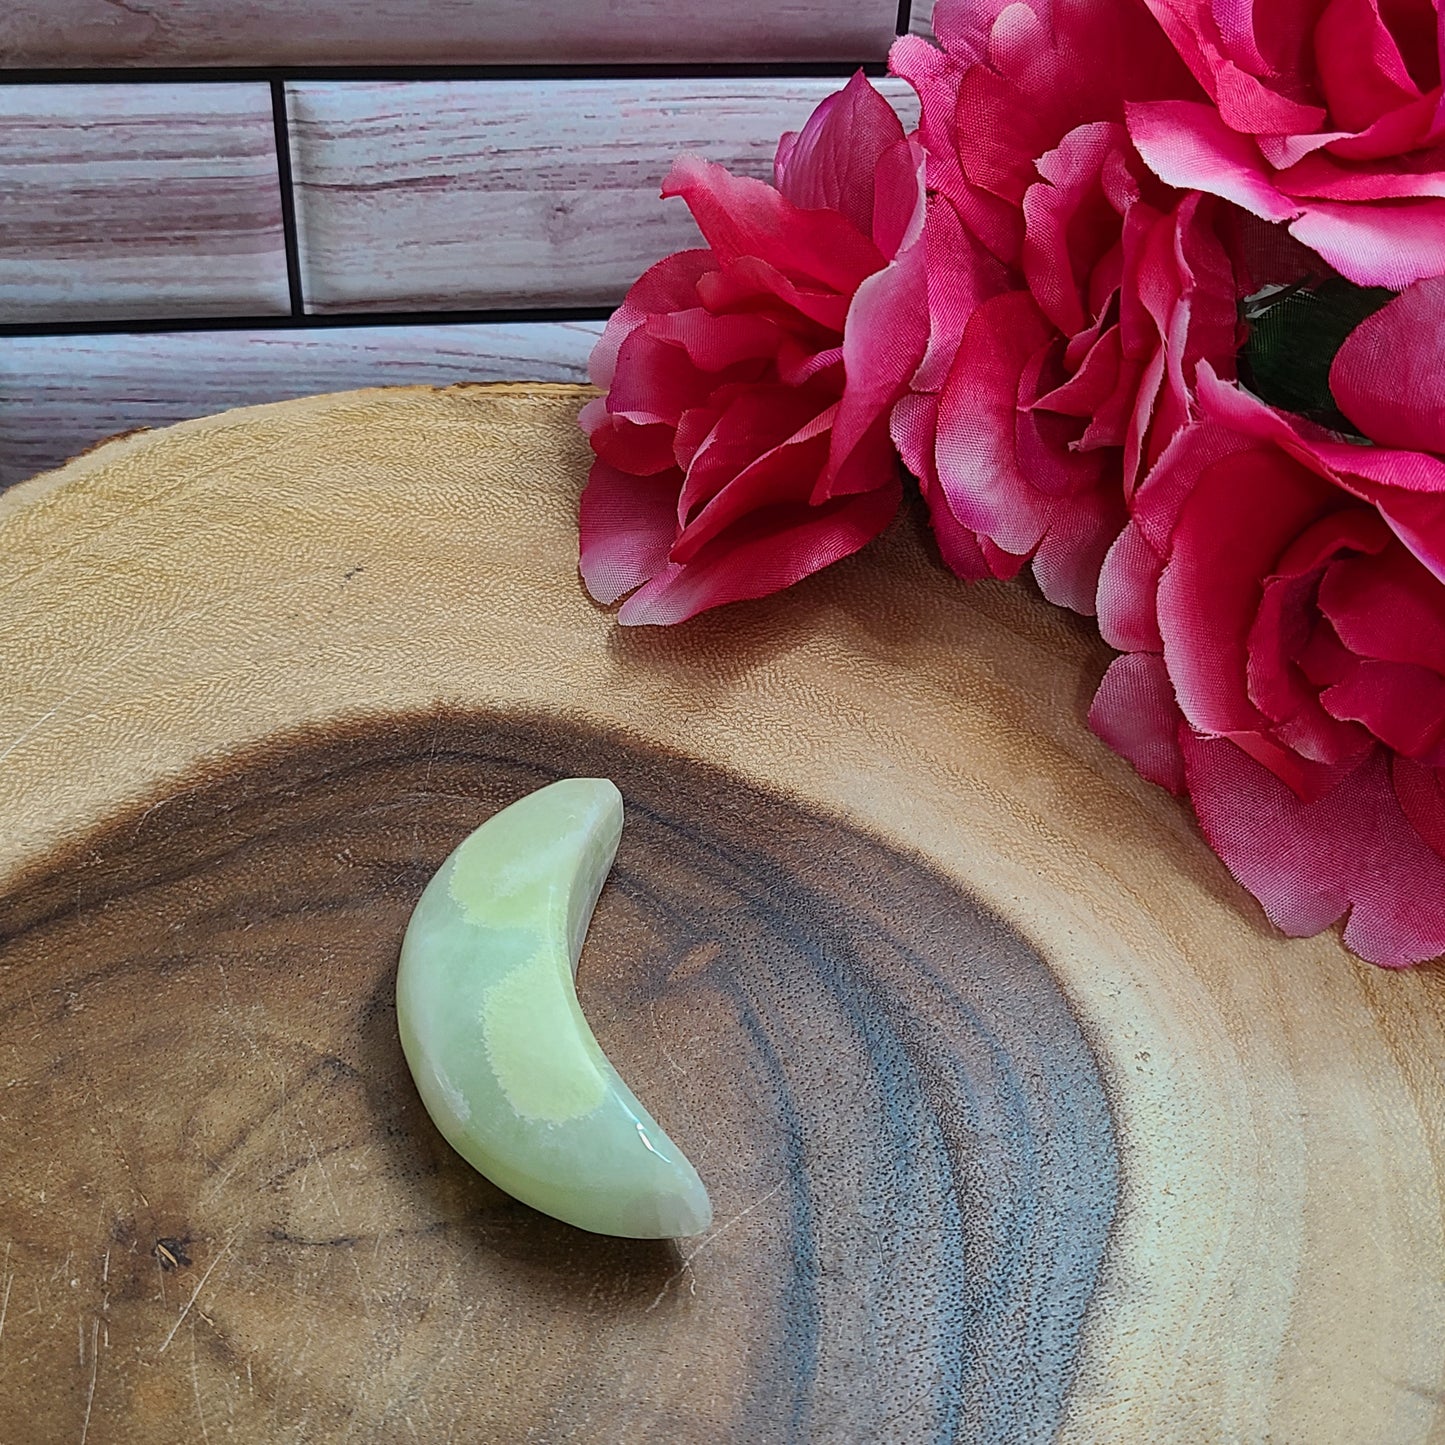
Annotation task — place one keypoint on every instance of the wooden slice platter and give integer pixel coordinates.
(1019, 1122)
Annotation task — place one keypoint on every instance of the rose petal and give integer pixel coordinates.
(642, 451)
(1186, 144)
(1397, 131)
(1069, 222)
(1324, 659)
(763, 553)
(1387, 606)
(977, 465)
(696, 426)
(1046, 443)
(1361, 71)
(593, 415)
(830, 164)
(742, 217)
(797, 364)
(1322, 177)
(1211, 587)
(1196, 314)
(752, 456)
(1401, 704)
(1220, 434)
(1080, 532)
(670, 285)
(1388, 377)
(1135, 713)
(1099, 391)
(934, 74)
(1280, 635)
(884, 341)
(626, 526)
(1128, 587)
(1288, 637)
(1225, 57)
(654, 381)
(716, 343)
(1377, 245)
(962, 26)
(1352, 851)
(914, 427)
(960, 276)
(899, 198)
(751, 283)
(1419, 522)
(1421, 791)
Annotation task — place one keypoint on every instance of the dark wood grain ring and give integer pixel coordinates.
(905, 1133)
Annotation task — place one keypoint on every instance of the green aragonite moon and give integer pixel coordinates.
(490, 1024)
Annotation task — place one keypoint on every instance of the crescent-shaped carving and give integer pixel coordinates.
(497, 1042)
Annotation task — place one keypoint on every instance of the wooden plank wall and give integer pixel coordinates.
(200, 211)
(441, 32)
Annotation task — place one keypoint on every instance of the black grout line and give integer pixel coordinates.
(227, 74)
(905, 17)
(289, 234)
(493, 316)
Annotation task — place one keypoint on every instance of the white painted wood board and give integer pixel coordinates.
(414, 195)
(341, 32)
(62, 394)
(139, 200)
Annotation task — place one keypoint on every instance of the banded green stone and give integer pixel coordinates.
(490, 1024)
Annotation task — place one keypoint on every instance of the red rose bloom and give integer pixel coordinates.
(1071, 294)
(1326, 114)
(1281, 604)
(743, 442)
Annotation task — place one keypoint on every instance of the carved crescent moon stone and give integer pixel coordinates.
(502, 1055)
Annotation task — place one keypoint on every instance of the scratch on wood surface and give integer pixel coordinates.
(196, 1390)
(711, 1239)
(220, 1182)
(94, 1371)
(154, 807)
(195, 1293)
(677, 1068)
(5, 1299)
(325, 1177)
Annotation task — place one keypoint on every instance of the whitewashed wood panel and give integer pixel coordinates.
(62, 394)
(121, 200)
(920, 18)
(456, 194)
(322, 32)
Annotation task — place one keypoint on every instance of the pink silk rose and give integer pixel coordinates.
(743, 442)
(1279, 599)
(1071, 293)
(1326, 114)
